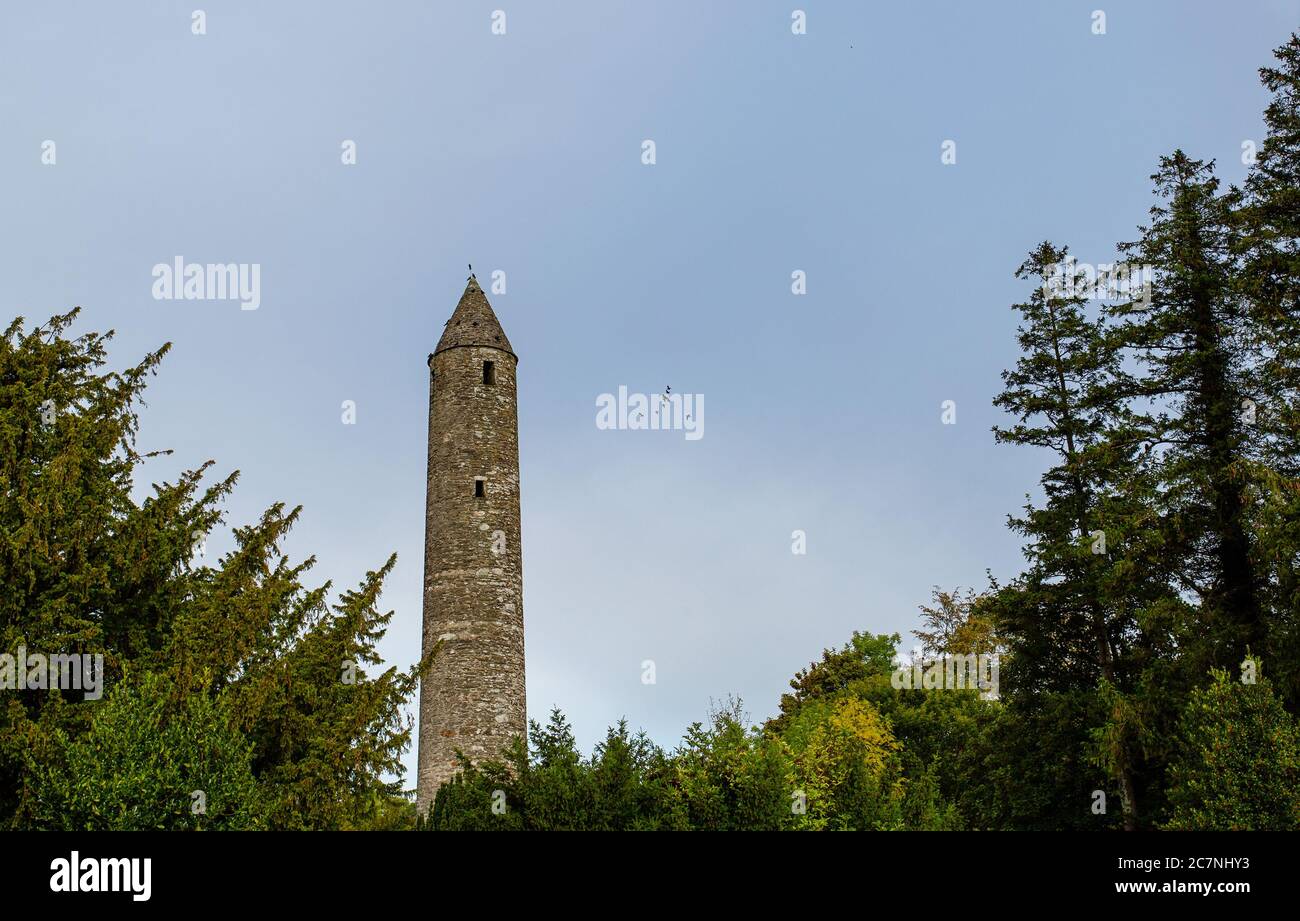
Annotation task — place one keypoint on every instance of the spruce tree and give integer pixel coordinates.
(1071, 618)
(1189, 338)
(1268, 221)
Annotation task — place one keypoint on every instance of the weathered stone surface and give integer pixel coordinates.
(472, 698)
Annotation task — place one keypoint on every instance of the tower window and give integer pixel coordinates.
(480, 487)
(489, 372)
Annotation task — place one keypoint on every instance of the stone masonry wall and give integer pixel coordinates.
(472, 698)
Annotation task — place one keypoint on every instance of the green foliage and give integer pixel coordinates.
(1268, 243)
(730, 778)
(87, 569)
(1171, 417)
(1036, 771)
(723, 777)
(152, 759)
(833, 763)
(386, 812)
(847, 766)
(959, 623)
(864, 655)
(1239, 763)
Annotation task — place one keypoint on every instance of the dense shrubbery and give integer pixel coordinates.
(858, 754)
(1238, 764)
(151, 759)
(836, 764)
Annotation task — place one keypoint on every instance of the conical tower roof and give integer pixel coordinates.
(474, 323)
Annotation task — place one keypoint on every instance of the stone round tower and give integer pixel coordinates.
(472, 697)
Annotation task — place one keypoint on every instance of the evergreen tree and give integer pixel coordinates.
(629, 781)
(1268, 222)
(86, 569)
(1190, 340)
(1070, 621)
(727, 777)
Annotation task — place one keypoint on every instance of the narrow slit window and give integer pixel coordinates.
(489, 372)
(480, 488)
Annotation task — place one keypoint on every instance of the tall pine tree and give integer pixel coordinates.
(1070, 621)
(1189, 338)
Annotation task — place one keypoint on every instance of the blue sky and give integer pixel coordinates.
(522, 153)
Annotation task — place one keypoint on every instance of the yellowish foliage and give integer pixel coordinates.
(852, 741)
